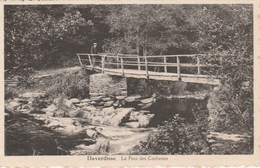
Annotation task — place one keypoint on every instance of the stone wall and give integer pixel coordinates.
(107, 90)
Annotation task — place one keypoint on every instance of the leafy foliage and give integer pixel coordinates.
(176, 137)
(72, 85)
(33, 35)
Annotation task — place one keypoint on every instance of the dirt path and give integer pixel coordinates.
(52, 72)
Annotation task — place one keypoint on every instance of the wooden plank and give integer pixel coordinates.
(189, 79)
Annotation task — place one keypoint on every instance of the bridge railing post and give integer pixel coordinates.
(103, 62)
(146, 66)
(138, 59)
(198, 64)
(165, 66)
(117, 61)
(122, 65)
(90, 61)
(79, 60)
(178, 67)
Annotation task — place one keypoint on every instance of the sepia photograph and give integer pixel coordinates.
(128, 79)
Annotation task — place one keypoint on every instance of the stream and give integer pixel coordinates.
(26, 135)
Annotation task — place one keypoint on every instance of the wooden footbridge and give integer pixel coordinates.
(159, 67)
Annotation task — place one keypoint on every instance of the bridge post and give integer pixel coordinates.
(117, 60)
(198, 64)
(122, 65)
(165, 67)
(138, 59)
(90, 60)
(79, 60)
(103, 63)
(178, 67)
(146, 66)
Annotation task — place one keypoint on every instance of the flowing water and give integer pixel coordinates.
(25, 135)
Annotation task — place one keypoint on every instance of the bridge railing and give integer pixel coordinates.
(124, 61)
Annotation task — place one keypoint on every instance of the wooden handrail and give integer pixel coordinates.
(123, 60)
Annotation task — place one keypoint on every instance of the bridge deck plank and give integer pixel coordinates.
(191, 78)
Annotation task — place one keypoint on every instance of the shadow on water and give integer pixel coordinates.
(25, 135)
(188, 109)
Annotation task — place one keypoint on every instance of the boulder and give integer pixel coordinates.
(89, 140)
(33, 94)
(120, 97)
(130, 99)
(148, 100)
(83, 149)
(7, 115)
(109, 103)
(75, 100)
(25, 111)
(116, 104)
(123, 92)
(85, 101)
(144, 120)
(51, 107)
(68, 103)
(144, 112)
(100, 103)
(50, 113)
(59, 113)
(121, 115)
(108, 110)
(73, 113)
(98, 120)
(132, 124)
(35, 110)
(115, 132)
(97, 94)
(134, 116)
(23, 101)
(53, 123)
(106, 98)
(98, 98)
(14, 105)
(82, 104)
(66, 123)
(90, 108)
(91, 133)
(93, 103)
(102, 145)
(145, 106)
